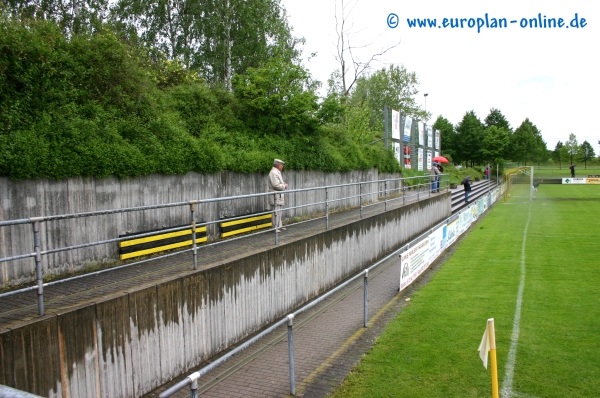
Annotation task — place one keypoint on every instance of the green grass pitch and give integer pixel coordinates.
(551, 247)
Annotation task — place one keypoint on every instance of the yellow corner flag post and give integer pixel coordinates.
(488, 344)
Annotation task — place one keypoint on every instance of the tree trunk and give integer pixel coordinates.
(228, 71)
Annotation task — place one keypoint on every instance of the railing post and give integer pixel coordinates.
(291, 353)
(361, 202)
(194, 389)
(326, 208)
(385, 194)
(403, 194)
(418, 189)
(275, 219)
(366, 298)
(37, 247)
(193, 222)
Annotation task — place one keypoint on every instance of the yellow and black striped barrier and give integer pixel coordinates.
(160, 242)
(252, 223)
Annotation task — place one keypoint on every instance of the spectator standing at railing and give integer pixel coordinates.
(572, 167)
(467, 184)
(435, 178)
(276, 200)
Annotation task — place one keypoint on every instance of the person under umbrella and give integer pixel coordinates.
(435, 178)
(467, 184)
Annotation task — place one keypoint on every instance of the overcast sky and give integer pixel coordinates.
(549, 75)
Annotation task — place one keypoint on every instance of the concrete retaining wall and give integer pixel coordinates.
(26, 199)
(128, 344)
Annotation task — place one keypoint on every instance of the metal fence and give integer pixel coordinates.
(366, 194)
(192, 379)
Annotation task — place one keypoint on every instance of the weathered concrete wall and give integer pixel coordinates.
(26, 199)
(129, 344)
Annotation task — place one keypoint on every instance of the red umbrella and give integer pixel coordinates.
(440, 159)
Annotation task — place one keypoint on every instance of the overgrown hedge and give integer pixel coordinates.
(92, 105)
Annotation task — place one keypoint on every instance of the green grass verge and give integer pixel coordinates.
(430, 349)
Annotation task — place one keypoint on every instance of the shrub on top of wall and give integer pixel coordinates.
(93, 105)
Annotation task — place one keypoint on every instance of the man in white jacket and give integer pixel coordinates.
(276, 201)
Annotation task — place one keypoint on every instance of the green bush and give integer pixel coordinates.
(93, 105)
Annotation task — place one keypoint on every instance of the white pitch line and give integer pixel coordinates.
(522, 395)
(507, 383)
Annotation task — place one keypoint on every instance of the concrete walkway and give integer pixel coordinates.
(329, 340)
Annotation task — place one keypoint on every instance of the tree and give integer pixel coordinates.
(448, 137)
(241, 34)
(495, 144)
(394, 86)
(572, 146)
(72, 16)
(556, 153)
(585, 152)
(565, 156)
(351, 66)
(526, 143)
(469, 139)
(496, 118)
(279, 98)
(217, 38)
(174, 27)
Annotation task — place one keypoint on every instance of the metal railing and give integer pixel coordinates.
(8, 392)
(407, 189)
(192, 379)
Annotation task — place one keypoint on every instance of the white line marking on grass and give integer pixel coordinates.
(507, 383)
(522, 395)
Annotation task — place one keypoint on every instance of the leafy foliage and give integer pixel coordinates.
(93, 104)
(496, 118)
(474, 142)
(395, 87)
(527, 143)
(470, 133)
(495, 144)
(448, 137)
(585, 152)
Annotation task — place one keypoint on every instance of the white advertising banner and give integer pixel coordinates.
(413, 262)
(421, 134)
(395, 125)
(437, 242)
(453, 232)
(417, 259)
(420, 159)
(574, 180)
(437, 140)
(429, 136)
(407, 128)
(429, 160)
(397, 153)
(464, 221)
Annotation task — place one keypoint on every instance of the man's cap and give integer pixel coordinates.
(278, 161)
